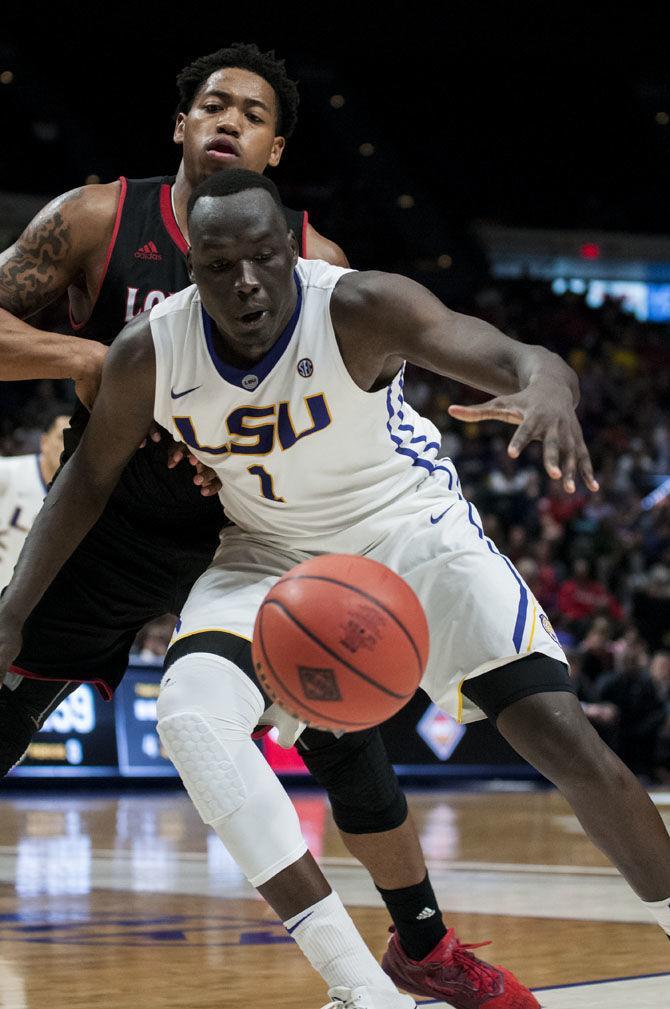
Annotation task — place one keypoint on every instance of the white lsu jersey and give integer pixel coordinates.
(303, 453)
(22, 491)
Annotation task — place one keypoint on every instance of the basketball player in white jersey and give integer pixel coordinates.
(286, 376)
(24, 480)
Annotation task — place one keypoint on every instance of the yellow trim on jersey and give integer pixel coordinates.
(209, 630)
(532, 630)
(459, 696)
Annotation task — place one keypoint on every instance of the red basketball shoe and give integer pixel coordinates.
(452, 973)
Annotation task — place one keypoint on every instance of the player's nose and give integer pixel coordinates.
(246, 281)
(228, 123)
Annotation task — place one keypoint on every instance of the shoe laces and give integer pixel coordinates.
(483, 973)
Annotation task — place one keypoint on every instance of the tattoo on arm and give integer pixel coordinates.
(33, 272)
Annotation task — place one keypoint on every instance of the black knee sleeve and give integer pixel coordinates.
(16, 732)
(533, 674)
(355, 770)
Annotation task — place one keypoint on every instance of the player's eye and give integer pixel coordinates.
(219, 265)
(253, 118)
(263, 257)
(211, 107)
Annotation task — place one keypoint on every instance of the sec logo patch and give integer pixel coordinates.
(546, 623)
(305, 367)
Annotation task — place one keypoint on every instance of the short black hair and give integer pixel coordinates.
(245, 56)
(230, 181)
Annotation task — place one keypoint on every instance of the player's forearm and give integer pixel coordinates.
(28, 353)
(70, 509)
(493, 362)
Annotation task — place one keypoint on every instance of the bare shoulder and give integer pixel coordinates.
(368, 290)
(134, 346)
(320, 247)
(52, 251)
(386, 296)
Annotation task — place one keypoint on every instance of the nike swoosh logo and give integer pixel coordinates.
(440, 517)
(299, 923)
(178, 395)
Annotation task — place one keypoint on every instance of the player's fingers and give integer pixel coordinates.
(175, 455)
(585, 465)
(211, 489)
(551, 452)
(494, 409)
(568, 461)
(523, 435)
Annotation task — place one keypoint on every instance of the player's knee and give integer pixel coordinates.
(214, 686)
(16, 732)
(206, 710)
(362, 786)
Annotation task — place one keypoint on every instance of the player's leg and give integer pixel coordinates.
(25, 705)
(548, 728)
(209, 705)
(487, 629)
(371, 813)
(120, 577)
(207, 710)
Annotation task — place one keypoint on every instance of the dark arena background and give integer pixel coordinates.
(514, 159)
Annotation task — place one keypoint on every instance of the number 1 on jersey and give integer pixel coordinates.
(267, 488)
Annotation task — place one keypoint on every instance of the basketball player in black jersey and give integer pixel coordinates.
(117, 250)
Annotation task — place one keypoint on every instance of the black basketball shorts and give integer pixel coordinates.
(125, 572)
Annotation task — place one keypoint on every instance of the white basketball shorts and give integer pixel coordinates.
(480, 612)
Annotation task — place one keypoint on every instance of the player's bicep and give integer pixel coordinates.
(123, 410)
(42, 263)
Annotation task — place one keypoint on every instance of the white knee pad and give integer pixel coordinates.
(207, 710)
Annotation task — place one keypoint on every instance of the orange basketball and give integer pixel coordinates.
(341, 642)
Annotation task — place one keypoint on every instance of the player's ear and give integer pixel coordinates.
(178, 135)
(278, 145)
(293, 245)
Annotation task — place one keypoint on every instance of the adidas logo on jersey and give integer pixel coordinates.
(427, 912)
(149, 251)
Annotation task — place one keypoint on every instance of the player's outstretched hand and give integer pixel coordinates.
(543, 412)
(11, 640)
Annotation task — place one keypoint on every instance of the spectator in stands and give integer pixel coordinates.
(583, 597)
(632, 690)
(659, 670)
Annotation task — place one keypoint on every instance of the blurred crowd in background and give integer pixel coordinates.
(599, 564)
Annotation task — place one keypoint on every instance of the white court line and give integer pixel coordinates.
(507, 867)
(347, 862)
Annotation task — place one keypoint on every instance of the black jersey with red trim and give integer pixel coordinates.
(145, 263)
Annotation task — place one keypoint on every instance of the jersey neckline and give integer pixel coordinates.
(250, 378)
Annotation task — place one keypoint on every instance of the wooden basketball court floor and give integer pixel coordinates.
(128, 902)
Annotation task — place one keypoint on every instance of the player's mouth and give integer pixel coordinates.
(252, 320)
(222, 149)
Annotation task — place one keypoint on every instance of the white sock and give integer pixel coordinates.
(328, 937)
(660, 910)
